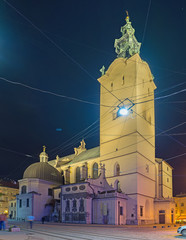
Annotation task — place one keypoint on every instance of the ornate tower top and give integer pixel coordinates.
(43, 156)
(127, 45)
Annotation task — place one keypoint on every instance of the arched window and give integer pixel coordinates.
(84, 172)
(117, 170)
(95, 170)
(74, 205)
(118, 187)
(81, 205)
(67, 177)
(23, 189)
(78, 174)
(67, 208)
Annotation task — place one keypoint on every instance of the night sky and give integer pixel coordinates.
(84, 32)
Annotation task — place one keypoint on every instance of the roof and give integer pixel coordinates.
(9, 184)
(44, 171)
(85, 155)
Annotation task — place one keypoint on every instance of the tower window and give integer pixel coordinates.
(117, 170)
(111, 86)
(148, 91)
(123, 80)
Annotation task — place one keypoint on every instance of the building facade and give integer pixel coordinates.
(138, 186)
(180, 209)
(8, 191)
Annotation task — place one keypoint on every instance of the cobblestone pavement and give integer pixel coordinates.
(57, 231)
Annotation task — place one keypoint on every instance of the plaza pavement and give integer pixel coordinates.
(58, 231)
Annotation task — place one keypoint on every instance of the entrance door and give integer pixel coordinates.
(162, 219)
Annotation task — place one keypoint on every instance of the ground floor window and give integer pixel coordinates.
(141, 211)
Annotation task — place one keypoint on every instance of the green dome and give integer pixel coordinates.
(43, 170)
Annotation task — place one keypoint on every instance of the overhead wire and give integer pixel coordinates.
(58, 47)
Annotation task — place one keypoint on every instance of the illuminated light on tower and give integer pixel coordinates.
(123, 112)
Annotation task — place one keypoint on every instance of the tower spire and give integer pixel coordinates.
(127, 45)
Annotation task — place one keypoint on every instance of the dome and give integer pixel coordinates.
(43, 170)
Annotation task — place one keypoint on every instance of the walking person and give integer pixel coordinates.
(31, 220)
(1, 221)
(43, 220)
(4, 221)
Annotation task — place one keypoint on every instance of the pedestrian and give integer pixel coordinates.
(30, 220)
(4, 221)
(1, 221)
(43, 220)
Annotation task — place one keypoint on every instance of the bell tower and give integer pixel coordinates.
(127, 136)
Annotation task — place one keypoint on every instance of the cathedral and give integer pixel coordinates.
(121, 181)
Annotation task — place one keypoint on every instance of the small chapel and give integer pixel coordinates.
(120, 181)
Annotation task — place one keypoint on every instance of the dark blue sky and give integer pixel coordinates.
(86, 31)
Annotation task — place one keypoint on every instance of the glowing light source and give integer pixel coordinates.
(123, 111)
